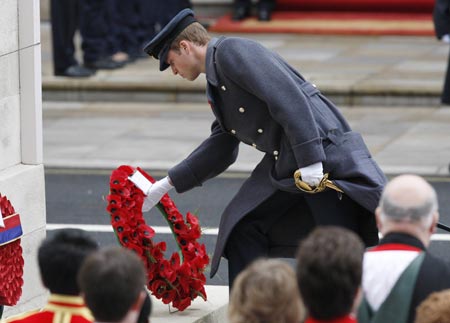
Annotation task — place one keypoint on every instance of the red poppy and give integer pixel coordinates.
(178, 280)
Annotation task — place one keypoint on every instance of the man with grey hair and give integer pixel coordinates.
(399, 273)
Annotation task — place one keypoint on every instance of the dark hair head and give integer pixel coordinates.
(60, 257)
(111, 281)
(329, 271)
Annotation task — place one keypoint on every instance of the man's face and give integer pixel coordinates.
(184, 63)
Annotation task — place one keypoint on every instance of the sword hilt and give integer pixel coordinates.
(324, 183)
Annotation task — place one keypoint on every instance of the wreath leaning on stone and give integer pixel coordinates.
(177, 280)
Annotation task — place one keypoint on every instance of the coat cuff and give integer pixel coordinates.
(309, 152)
(183, 178)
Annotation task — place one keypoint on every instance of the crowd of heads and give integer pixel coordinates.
(111, 280)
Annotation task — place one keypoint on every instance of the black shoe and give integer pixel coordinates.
(104, 64)
(240, 13)
(264, 14)
(76, 71)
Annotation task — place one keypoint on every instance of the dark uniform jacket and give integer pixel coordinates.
(260, 100)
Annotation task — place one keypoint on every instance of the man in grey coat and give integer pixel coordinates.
(260, 100)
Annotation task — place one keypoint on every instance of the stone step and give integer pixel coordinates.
(350, 70)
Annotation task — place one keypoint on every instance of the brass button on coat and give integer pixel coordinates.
(254, 145)
(241, 110)
(260, 131)
(275, 152)
(233, 131)
(223, 88)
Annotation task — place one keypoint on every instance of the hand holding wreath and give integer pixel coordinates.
(179, 279)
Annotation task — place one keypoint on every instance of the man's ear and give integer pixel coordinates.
(185, 46)
(139, 302)
(434, 222)
(378, 219)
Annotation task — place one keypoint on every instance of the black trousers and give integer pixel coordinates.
(95, 28)
(275, 227)
(65, 21)
(445, 97)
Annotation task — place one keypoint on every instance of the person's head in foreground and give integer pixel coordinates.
(329, 272)
(111, 282)
(60, 257)
(409, 205)
(266, 291)
(182, 45)
(435, 308)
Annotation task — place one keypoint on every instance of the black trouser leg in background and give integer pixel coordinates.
(445, 98)
(64, 21)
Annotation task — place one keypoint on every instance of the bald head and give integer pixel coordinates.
(408, 198)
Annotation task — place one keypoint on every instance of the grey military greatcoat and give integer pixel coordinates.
(260, 100)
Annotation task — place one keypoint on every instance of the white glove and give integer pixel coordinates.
(312, 174)
(154, 191)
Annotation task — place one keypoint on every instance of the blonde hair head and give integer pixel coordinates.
(266, 292)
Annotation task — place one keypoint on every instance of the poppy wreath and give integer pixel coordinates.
(11, 260)
(177, 280)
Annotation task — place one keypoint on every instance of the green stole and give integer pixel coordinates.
(395, 308)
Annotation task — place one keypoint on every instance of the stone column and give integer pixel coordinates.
(21, 165)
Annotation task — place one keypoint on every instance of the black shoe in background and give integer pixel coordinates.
(76, 71)
(240, 13)
(106, 63)
(264, 14)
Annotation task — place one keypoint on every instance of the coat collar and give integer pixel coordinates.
(211, 73)
(402, 238)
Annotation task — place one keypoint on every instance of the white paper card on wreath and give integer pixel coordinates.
(2, 224)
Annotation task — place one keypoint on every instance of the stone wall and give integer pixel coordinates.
(21, 168)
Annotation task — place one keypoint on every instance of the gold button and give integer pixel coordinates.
(241, 110)
(275, 152)
(223, 88)
(314, 85)
(233, 131)
(276, 157)
(260, 130)
(254, 145)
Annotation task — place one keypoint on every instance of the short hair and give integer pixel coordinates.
(195, 33)
(435, 308)
(420, 212)
(329, 271)
(265, 291)
(111, 280)
(60, 257)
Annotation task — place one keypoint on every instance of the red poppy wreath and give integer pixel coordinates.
(177, 280)
(11, 260)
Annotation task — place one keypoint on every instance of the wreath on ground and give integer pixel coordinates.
(177, 280)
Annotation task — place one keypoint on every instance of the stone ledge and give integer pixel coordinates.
(163, 90)
(214, 310)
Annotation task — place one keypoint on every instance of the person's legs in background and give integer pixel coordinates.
(64, 23)
(94, 28)
(265, 8)
(241, 9)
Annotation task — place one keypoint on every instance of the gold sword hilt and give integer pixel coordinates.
(324, 183)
